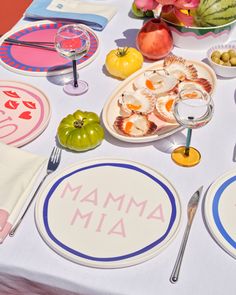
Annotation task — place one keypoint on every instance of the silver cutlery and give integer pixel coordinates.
(192, 208)
(53, 163)
(33, 44)
(234, 154)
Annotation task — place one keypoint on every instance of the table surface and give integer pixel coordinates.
(206, 268)
(13, 15)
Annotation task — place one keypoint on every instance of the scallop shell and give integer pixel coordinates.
(164, 105)
(139, 101)
(135, 125)
(155, 82)
(177, 67)
(200, 83)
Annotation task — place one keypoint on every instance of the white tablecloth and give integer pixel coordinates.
(206, 268)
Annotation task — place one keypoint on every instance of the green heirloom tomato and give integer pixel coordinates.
(81, 131)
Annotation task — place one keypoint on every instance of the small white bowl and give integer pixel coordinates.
(221, 70)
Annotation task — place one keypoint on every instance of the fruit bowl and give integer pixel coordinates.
(222, 69)
(199, 38)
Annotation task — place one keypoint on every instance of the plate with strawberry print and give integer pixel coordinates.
(24, 112)
(39, 62)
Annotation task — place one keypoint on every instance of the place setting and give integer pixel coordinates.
(101, 215)
(31, 50)
(96, 204)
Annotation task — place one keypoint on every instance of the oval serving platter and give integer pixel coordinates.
(113, 110)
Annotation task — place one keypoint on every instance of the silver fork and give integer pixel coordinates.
(53, 163)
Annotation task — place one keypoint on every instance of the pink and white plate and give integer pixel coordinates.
(39, 62)
(24, 112)
(93, 214)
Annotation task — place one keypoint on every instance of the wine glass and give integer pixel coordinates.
(192, 109)
(72, 41)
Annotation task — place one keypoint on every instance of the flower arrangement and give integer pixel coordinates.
(191, 12)
(179, 8)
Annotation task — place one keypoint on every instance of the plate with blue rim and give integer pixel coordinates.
(108, 213)
(220, 211)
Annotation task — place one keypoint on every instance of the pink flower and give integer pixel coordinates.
(146, 4)
(182, 4)
(174, 6)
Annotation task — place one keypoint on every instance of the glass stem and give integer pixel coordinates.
(75, 73)
(188, 141)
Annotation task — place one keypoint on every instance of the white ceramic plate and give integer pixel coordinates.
(93, 214)
(111, 109)
(38, 62)
(220, 211)
(24, 112)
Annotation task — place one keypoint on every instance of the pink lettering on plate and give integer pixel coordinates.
(111, 198)
(157, 213)
(69, 188)
(118, 229)
(109, 211)
(92, 197)
(132, 203)
(78, 214)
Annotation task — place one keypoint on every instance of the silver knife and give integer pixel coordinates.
(192, 208)
(234, 154)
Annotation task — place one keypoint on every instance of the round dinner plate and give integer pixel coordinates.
(108, 213)
(39, 62)
(24, 112)
(220, 211)
(112, 109)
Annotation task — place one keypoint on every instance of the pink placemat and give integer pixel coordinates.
(39, 62)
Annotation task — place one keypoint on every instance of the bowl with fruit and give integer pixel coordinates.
(222, 59)
(199, 38)
(213, 23)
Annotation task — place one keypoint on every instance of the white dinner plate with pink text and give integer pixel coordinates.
(24, 112)
(108, 213)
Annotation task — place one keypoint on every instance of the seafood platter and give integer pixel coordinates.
(140, 109)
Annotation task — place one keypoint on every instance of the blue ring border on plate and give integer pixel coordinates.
(109, 259)
(215, 211)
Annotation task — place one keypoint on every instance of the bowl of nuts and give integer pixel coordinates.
(222, 59)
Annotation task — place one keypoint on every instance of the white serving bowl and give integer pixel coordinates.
(200, 38)
(221, 70)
